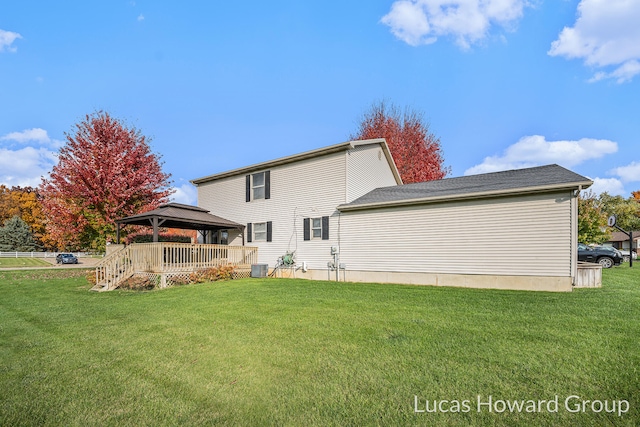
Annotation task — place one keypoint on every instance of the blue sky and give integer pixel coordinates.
(219, 85)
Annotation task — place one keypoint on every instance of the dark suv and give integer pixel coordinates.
(66, 259)
(605, 256)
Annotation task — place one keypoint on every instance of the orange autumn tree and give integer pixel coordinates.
(25, 202)
(415, 150)
(106, 171)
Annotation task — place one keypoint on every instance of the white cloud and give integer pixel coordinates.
(186, 194)
(612, 186)
(26, 166)
(606, 35)
(629, 173)
(535, 150)
(140, 17)
(28, 135)
(35, 135)
(419, 22)
(6, 40)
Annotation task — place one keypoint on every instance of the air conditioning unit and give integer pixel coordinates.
(259, 270)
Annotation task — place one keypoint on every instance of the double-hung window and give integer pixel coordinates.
(258, 186)
(259, 231)
(316, 228)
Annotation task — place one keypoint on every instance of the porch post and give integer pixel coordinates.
(155, 229)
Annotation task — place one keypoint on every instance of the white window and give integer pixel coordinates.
(316, 228)
(258, 186)
(260, 231)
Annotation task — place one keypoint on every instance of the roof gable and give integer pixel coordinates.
(344, 146)
(542, 178)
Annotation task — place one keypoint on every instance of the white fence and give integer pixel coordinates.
(39, 254)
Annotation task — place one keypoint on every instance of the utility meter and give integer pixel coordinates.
(335, 250)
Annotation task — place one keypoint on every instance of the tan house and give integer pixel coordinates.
(620, 241)
(346, 215)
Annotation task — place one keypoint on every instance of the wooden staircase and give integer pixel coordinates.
(114, 269)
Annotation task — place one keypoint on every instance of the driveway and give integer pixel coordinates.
(83, 262)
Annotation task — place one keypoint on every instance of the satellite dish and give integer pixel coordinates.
(611, 221)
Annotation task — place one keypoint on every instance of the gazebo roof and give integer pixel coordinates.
(177, 215)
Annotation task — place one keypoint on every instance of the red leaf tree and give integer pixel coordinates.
(105, 171)
(414, 149)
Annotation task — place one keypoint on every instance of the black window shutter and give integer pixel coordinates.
(269, 230)
(325, 228)
(306, 223)
(249, 233)
(267, 184)
(247, 196)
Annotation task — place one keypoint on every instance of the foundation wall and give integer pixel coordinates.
(523, 283)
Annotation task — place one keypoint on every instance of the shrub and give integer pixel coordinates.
(138, 283)
(213, 274)
(91, 277)
(226, 272)
(181, 280)
(196, 277)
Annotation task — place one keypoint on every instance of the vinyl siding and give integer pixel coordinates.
(306, 189)
(519, 236)
(367, 169)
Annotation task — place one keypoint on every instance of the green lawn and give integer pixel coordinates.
(23, 262)
(294, 352)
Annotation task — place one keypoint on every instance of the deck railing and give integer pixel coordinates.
(163, 258)
(113, 269)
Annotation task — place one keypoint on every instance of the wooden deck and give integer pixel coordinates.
(166, 260)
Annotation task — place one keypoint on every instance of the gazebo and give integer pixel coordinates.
(177, 215)
(165, 262)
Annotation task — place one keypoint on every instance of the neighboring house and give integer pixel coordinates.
(620, 240)
(514, 230)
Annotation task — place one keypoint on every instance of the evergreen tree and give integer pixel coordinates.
(16, 236)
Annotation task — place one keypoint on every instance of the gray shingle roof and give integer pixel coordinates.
(177, 215)
(540, 178)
